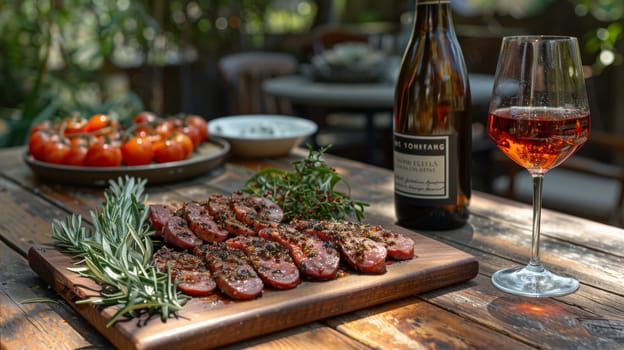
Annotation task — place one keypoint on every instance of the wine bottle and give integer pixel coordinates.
(432, 125)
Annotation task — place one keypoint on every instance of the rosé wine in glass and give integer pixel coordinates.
(538, 117)
(539, 138)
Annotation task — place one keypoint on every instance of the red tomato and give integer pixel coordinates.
(106, 135)
(144, 117)
(37, 143)
(137, 151)
(74, 125)
(78, 141)
(164, 129)
(142, 131)
(200, 123)
(185, 141)
(56, 151)
(153, 137)
(98, 121)
(103, 154)
(78, 152)
(44, 125)
(193, 133)
(176, 123)
(168, 151)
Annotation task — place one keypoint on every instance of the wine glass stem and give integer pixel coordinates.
(538, 179)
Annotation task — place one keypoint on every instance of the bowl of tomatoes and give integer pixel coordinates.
(90, 151)
(262, 135)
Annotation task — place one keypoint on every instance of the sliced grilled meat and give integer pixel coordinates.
(201, 223)
(398, 246)
(361, 253)
(219, 207)
(231, 270)
(159, 214)
(270, 259)
(178, 233)
(257, 212)
(314, 257)
(196, 283)
(189, 271)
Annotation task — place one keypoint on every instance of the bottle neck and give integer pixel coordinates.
(433, 14)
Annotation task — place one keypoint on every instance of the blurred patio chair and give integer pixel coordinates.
(243, 74)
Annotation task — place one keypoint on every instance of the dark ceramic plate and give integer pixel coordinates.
(208, 156)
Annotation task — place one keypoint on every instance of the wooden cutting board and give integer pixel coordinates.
(215, 321)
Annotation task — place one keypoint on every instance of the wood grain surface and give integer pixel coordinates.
(468, 315)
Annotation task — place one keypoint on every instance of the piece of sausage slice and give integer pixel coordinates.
(257, 212)
(159, 214)
(196, 283)
(361, 253)
(219, 207)
(231, 270)
(314, 257)
(398, 246)
(201, 223)
(178, 233)
(270, 259)
(189, 271)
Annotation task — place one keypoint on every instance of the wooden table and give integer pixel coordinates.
(469, 315)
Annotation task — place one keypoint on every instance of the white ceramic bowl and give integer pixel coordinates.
(261, 135)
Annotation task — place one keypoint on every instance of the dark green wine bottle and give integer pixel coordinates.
(432, 125)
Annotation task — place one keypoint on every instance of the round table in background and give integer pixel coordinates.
(367, 99)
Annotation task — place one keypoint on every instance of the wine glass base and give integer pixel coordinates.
(533, 281)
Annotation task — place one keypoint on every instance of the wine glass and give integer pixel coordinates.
(538, 117)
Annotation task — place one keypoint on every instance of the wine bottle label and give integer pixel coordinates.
(422, 167)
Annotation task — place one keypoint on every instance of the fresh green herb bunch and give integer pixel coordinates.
(308, 192)
(117, 253)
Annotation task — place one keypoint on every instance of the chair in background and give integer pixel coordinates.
(244, 73)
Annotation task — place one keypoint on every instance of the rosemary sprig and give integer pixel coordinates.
(308, 192)
(117, 252)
